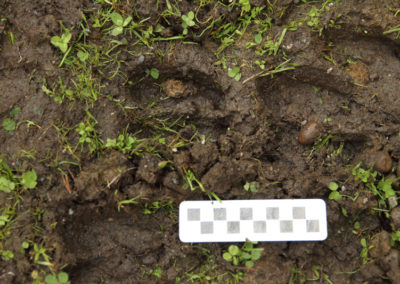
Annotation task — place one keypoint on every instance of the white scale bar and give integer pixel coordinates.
(255, 220)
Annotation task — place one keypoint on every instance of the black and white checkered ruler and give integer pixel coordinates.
(256, 220)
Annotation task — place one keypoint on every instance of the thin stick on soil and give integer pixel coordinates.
(66, 182)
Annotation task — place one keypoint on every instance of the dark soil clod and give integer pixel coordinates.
(382, 161)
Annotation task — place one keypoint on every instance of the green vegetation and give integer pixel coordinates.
(252, 186)
(157, 272)
(166, 206)
(127, 144)
(115, 46)
(316, 274)
(9, 124)
(187, 21)
(119, 23)
(89, 136)
(9, 181)
(61, 278)
(62, 42)
(381, 188)
(153, 72)
(246, 255)
(208, 271)
(235, 73)
(193, 183)
(336, 195)
(127, 201)
(365, 250)
(395, 238)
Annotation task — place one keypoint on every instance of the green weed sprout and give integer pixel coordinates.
(119, 23)
(187, 21)
(383, 188)
(157, 272)
(335, 195)
(365, 250)
(153, 72)
(6, 184)
(9, 181)
(246, 6)
(245, 255)
(395, 238)
(61, 278)
(29, 179)
(126, 143)
(235, 73)
(61, 42)
(89, 135)
(252, 186)
(7, 255)
(9, 125)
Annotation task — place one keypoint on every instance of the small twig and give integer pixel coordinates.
(254, 76)
(66, 182)
(117, 177)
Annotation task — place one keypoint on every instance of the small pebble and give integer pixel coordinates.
(310, 132)
(382, 161)
(396, 218)
(141, 58)
(392, 200)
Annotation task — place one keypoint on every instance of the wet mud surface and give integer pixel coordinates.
(226, 132)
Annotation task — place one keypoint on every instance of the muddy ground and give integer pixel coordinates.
(346, 77)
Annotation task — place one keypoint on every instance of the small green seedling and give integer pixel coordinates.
(153, 72)
(126, 143)
(395, 238)
(89, 135)
(127, 201)
(41, 253)
(119, 23)
(82, 55)
(165, 206)
(9, 123)
(258, 38)
(335, 195)
(61, 42)
(245, 255)
(157, 272)
(235, 73)
(163, 164)
(385, 186)
(245, 5)
(6, 185)
(364, 175)
(61, 278)
(365, 250)
(4, 219)
(252, 186)
(187, 21)
(29, 179)
(15, 111)
(7, 255)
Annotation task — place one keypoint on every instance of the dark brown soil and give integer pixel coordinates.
(250, 130)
